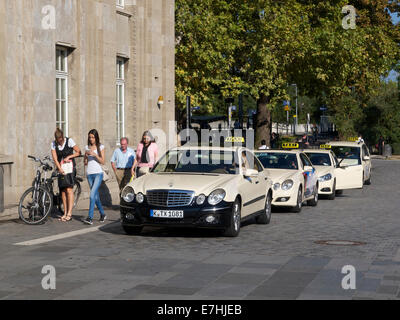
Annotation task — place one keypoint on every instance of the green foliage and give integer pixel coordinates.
(382, 115)
(260, 47)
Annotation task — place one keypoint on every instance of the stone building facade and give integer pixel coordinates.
(81, 64)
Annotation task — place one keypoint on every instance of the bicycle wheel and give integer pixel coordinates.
(34, 207)
(77, 193)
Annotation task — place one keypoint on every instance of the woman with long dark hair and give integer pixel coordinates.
(146, 155)
(94, 158)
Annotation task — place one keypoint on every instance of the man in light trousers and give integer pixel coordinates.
(122, 161)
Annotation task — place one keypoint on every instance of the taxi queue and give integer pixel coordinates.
(220, 187)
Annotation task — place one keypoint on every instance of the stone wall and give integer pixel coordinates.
(96, 32)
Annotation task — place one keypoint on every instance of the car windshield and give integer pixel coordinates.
(278, 160)
(346, 152)
(319, 159)
(198, 161)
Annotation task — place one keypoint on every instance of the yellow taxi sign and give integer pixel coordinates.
(353, 139)
(325, 146)
(234, 139)
(289, 145)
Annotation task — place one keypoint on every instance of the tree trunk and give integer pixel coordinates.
(263, 122)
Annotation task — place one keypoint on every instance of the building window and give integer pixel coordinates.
(62, 89)
(120, 3)
(120, 105)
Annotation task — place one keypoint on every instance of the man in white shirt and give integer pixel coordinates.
(122, 161)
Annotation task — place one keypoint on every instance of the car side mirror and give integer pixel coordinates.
(252, 173)
(366, 158)
(308, 168)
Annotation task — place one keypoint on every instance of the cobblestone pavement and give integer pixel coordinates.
(277, 261)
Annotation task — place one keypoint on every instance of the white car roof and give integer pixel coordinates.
(294, 151)
(211, 148)
(345, 143)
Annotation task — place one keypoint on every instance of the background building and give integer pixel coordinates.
(81, 64)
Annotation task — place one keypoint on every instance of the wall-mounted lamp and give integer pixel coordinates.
(160, 101)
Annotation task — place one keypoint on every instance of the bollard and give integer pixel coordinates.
(387, 151)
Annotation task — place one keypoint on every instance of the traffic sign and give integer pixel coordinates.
(287, 108)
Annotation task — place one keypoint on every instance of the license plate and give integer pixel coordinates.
(174, 214)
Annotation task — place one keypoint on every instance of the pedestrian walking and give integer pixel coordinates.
(64, 151)
(263, 145)
(381, 145)
(94, 158)
(122, 162)
(146, 155)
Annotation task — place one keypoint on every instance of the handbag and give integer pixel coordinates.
(66, 181)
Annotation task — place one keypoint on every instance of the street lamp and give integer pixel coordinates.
(296, 122)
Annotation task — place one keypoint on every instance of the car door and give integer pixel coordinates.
(347, 177)
(251, 187)
(310, 177)
(366, 162)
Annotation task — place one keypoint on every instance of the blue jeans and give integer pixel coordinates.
(95, 181)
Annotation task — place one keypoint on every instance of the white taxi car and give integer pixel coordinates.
(354, 161)
(295, 179)
(205, 187)
(331, 176)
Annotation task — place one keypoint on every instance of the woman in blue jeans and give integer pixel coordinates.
(94, 158)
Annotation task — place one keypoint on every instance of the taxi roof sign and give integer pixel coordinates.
(290, 145)
(353, 139)
(325, 146)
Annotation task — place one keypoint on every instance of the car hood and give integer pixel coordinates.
(280, 175)
(322, 170)
(200, 183)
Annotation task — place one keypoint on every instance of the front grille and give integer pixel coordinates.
(169, 198)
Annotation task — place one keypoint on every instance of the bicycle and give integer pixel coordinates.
(39, 200)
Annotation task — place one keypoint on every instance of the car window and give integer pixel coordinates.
(365, 150)
(198, 161)
(319, 159)
(250, 161)
(305, 160)
(351, 155)
(335, 160)
(278, 160)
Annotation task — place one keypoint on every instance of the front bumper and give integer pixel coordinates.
(325, 187)
(284, 198)
(193, 215)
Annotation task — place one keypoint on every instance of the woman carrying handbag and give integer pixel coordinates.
(63, 151)
(94, 159)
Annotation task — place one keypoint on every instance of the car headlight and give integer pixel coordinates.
(216, 196)
(200, 199)
(277, 186)
(287, 184)
(140, 197)
(326, 177)
(128, 194)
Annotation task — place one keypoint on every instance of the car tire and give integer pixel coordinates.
(339, 192)
(132, 230)
(235, 219)
(314, 201)
(299, 205)
(333, 194)
(265, 217)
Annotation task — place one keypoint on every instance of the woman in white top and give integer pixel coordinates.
(94, 158)
(64, 150)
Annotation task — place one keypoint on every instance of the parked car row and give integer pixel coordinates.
(219, 187)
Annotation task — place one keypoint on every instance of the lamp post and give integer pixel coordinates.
(296, 121)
